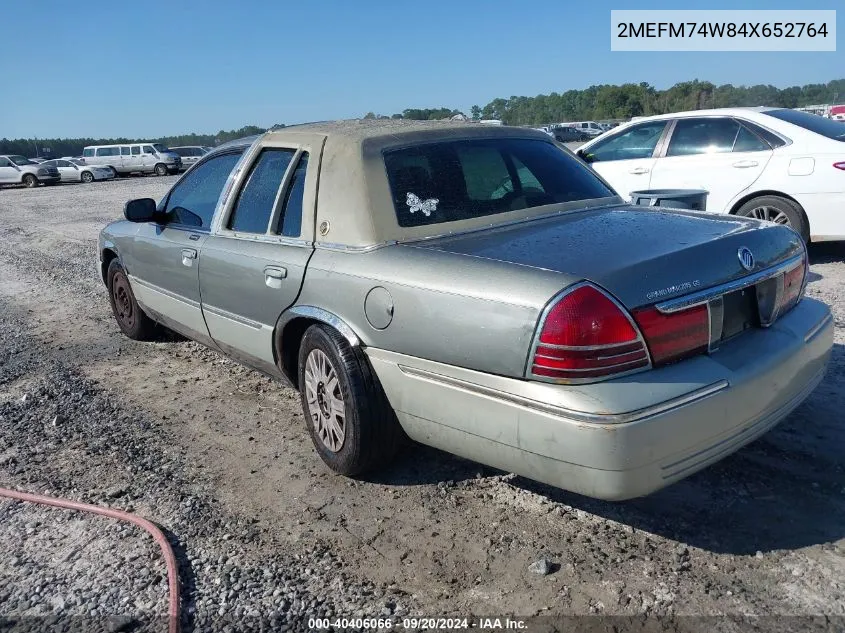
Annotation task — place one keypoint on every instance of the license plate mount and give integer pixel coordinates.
(740, 312)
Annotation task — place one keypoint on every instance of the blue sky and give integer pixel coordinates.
(154, 68)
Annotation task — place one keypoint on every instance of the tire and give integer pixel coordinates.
(87, 177)
(779, 210)
(160, 169)
(370, 433)
(114, 171)
(129, 316)
(29, 181)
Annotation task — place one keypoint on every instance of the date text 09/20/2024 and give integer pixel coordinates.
(417, 623)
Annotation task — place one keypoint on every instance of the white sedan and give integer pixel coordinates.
(773, 164)
(74, 170)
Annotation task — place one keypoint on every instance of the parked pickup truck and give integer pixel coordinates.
(20, 170)
(480, 290)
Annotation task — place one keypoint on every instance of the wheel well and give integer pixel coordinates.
(760, 194)
(108, 255)
(288, 341)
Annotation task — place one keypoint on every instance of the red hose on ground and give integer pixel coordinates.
(166, 551)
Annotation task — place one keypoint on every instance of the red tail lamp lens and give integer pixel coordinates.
(587, 316)
(671, 337)
(587, 335)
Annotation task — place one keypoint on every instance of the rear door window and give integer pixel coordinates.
(703, 136)
(290, 218)
(459, 180)
(136, 150)
(259, 196)
(747, 141)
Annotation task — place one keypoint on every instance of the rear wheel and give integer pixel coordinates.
(129, 316)
(161, 169)
(30, 181)
(778, 210)
(348, 417)
(87, 176)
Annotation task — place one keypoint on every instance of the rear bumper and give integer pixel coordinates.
(49, 179)
(623, 438)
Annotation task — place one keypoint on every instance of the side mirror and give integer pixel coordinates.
(580, 153)
(140, 210)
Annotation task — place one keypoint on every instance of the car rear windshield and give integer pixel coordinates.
(459, 180)
(813, 122)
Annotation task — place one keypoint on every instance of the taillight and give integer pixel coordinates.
(840, 165)
(587, 335)
(794, 282)
(674, 336)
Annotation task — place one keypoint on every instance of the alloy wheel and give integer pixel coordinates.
(323, 395)
(771, 214)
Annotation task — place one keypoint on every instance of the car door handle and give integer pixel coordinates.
(273, 276)
(188, 256)
(639, 170)
(744, 164)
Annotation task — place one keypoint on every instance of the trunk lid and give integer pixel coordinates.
(641, 255)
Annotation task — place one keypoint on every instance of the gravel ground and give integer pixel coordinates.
(217, 455)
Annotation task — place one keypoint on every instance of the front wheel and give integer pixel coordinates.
(30, 181)
(161, 169)
(87, 177)
(129, 316)
(778, 210)
(347, 414)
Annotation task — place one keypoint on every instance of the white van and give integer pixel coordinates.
(126, 158)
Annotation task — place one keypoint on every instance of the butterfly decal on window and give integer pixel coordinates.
(416, 204)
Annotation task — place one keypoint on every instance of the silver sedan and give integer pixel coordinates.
(74, 170)
(480, 290)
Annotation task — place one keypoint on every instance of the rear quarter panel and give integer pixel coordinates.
(455, 309)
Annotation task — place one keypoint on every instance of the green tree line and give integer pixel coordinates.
(629, 100)
(593, 103)
(642, 99)
(73, 146)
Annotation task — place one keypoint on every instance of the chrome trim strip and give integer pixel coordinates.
(575, 348)
(168, 293)
(580, 416)
(345, 248)
(716, 317)
(535, 342)
(327, 317)
(237, 318)
(640, 352)
(697, 298)
(817, 328)
(587, 369)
